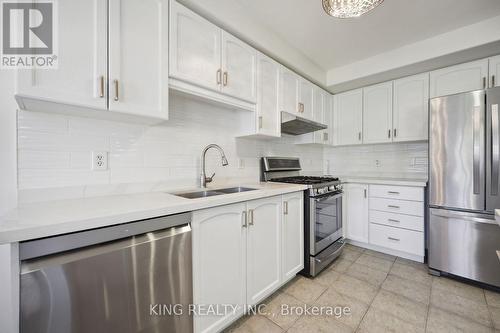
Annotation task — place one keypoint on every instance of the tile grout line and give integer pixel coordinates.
(429, 305)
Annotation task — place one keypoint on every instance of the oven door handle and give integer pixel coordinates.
(338, 195)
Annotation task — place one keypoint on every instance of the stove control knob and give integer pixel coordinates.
(332, 188)
(321, 190)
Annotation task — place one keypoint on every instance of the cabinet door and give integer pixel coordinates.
(82, 58)
(460, 78)
(138, 66)
(264, 248)
(306, 93)
(318, 112)
(219, 263)
(293, 235)
(289, 92)
(377, 113)
(349, 114)
(356, 212)
(239, 63)
(268, 115)
(411, 108)
(494, 72)
(195, 48)
(331, 138)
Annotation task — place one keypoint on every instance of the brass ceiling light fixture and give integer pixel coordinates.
(349, 8)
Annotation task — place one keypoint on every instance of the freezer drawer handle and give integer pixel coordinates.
(392, 206)
(393, 239)
(495, 149)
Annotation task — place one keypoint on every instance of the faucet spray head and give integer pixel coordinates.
(224, 160)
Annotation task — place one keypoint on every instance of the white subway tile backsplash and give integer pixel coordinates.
(55, 151)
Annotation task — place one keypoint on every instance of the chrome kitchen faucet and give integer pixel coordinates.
(203, 177)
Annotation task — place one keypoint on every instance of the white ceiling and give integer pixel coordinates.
(332, 42)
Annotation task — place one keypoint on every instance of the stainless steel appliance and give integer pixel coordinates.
(294, 125)
(464, 153)
(123, 278)
(323, 241)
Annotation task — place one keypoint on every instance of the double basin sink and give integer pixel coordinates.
(211, 193)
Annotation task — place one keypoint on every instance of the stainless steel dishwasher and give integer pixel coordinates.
(125, 278)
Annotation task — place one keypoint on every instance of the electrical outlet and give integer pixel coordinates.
(99, 160)
(377, 163)
(241, 163)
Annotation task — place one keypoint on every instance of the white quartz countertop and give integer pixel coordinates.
(397, 181)
(43, 219)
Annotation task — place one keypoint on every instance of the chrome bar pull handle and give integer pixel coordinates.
(219, 76)
(101, 86)
(389, 134)
(245, 219)
(250, 217)
(393, 239)
(484, 82)
(359, 136)
(495, 149)
(476, 149)
(224, 79)
(117, 91)
(395, 134)
(364, 192)
(393, 206)
(260, 122)
(393, 221)
(393, 192)
(285, 207)
(493, 81)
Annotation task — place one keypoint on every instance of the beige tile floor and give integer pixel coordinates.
(384, 294)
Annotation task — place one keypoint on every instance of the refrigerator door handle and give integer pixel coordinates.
(495, 149)
(476, 149)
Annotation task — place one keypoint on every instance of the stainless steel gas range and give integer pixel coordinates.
(323, 241)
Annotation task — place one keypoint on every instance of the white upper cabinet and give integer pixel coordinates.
(81, 77)
(349, 117)
(377, 113)
(411, 108)
(289, 92)
(195, 48)
(292, 235)
(268, 115)
(460, 78)
(356, 212)
(319, 114)
(263, 248)
(494, 72)
(330, 138)
(239, 62)
(138, 66)
(306, 92)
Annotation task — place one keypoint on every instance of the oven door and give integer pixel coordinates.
(325, 221)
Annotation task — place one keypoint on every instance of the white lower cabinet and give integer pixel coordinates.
(239, 254)
(292, 235)
(356, 212)
(263, 248)
(386, 218)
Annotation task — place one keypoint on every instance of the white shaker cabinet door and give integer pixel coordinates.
(349, 115)
(411, 108)
(219, 263)
(264, 248)
(356, 212)
(460, 78)
(292, 235)
(318, 113)
(268, 114)
(138, 57)
(289, 92)
(494, 72)
(306, 93)
(239, 64)
(377, 113)
(195, 48)
(81, 76)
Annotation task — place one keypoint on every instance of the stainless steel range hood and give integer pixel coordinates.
(291, 124)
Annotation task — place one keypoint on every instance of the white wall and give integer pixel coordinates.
(394, 160)
(55, 151)
(8, 165)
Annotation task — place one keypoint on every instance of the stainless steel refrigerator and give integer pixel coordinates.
(464, 167)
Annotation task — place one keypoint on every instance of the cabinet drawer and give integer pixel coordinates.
(397, 220)
(397, 206)
(408, 241)
(397, 192)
